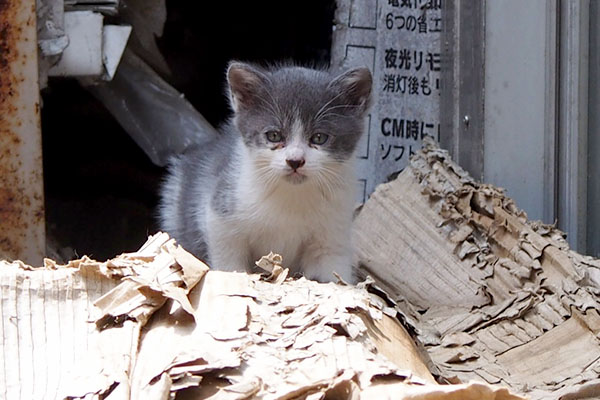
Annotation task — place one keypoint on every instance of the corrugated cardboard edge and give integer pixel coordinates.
(245, 337)
(490, 294)
(73, 330)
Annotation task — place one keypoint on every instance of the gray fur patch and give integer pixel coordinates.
(320, 100)
(223, 201)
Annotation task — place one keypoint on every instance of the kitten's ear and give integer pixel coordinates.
(244, 84)
(355, 85)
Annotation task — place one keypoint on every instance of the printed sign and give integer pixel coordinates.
(399, 40)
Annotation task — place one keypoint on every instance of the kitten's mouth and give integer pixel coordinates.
(295, 177)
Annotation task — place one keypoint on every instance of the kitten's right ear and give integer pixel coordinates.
(244, 84)
(355, 85)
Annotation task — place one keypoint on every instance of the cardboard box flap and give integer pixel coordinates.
(491, 295)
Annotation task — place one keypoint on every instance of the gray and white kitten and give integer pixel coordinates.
(279, 177)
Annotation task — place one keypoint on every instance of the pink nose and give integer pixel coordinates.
(295, 164)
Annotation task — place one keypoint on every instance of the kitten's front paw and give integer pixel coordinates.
(230, 265)
(325, 273)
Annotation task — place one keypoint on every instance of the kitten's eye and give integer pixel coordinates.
(319, 138)
(274, 136)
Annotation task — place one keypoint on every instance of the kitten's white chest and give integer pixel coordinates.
(284, 225)
(286, 243)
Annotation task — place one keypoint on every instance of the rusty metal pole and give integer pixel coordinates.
(22, 225)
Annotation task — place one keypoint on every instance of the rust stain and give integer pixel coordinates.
(15, 201)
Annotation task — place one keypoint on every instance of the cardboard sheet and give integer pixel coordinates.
(73, 330)
(490, 295)
(155, 324)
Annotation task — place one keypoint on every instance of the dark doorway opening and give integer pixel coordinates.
(101, 189)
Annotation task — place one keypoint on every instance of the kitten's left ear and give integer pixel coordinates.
(355, 85)
(245, 82)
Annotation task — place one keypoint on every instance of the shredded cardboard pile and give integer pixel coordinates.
(491, 300)
(491, 295)
(156, 324)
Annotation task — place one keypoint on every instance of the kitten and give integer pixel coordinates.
(280, 177)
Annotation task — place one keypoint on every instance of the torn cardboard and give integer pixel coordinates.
(155, 324)
(491, 295)
(54, 320)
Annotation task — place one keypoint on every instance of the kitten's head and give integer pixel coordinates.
(299, 124)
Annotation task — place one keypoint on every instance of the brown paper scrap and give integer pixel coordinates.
(170, 272)
(272, 264)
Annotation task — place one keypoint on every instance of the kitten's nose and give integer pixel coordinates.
(295, 164)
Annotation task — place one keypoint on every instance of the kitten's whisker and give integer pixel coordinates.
(341, 106)
(332, 178)
(318, 114)
(324, 118)
(321, 186)
(327, 112)
(275, 103)
(329, 180)
(266, 176)
(268, 107)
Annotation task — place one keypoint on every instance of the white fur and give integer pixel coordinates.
(308, 223)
